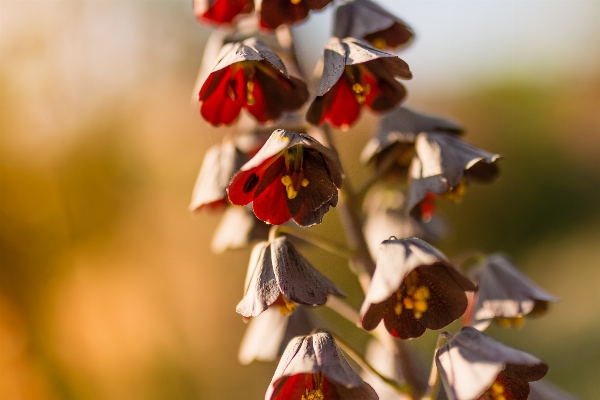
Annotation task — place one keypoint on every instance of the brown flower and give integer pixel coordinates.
(355, 74)
(472, 365)
(274, 13)
(414, 288)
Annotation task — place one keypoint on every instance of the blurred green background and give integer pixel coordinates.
(108, 289)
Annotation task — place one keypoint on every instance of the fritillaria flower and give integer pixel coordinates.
(472, 365)
(314, 368)
(278, 274)
(274, 13)
(365, 19)
(291, 176)
(505, 294)
(414, 288)
(249, 75)
(221, 11)
(355, 74)
(442, 165)
(268, 333)
(237, 229)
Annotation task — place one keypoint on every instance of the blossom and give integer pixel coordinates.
(355, 74)
(237, 229)
(268, 333)
(472, 365)
(274, 13)
(278, 274)
(443, 165)
(249, 75)
(314, 368)
(221, 11)
(414, 287)
(505, 294)
(365, 19)
(291, 176)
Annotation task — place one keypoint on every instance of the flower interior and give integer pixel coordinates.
(314, 388)
(293, 177)
(411, 297)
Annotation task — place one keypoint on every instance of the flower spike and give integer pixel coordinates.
(314, 368)
(414, 287)
(472, 366)
(356, 74)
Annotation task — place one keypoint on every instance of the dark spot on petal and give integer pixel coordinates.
(251, 183)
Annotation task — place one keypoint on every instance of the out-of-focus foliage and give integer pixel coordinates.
(108, 289)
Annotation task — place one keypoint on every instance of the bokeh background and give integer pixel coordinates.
(108, 289)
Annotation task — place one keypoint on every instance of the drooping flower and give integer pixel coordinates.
(221, 11)
(249, 75)
(314, 368)
(274, 13)
(365, 19)
(443, 165)
(505, 294)
(414, 288)
(237, 229)
(278, 274)
(291, 176)
(472, 365)
(269, 333)
(355, 74)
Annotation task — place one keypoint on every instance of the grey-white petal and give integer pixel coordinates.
(261, 287)
(237, 229)
(249, 50)
(263, 337)
(298, 280)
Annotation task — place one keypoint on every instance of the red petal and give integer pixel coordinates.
(271, 205)
(223, 11)
(374, 89)
(344, 109)
(219, 107)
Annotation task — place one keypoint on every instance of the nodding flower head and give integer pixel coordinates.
(274, 13)
(291, 177)
(249, 75)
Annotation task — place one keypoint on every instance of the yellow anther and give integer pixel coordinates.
(287, 307)
(408, 303)
(379, 43)
(497, 388)
(250, 100)
(516, 323)
(420, 306)
(422, 293)
(457, 192)
(398, 309)
(286, 180)
(357, 88)
(291, 192)
(295, 2)
(304, 182)
(313, 395)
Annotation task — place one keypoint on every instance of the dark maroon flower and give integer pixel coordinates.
(249, 75)
(291, 177)
(314, 368)
(365, 19)
(221, 11)
(414, 288)
(472, 365)
(278, 274)
(355, 74)
(274, 13)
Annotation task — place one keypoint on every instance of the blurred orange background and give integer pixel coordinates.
(108, 289)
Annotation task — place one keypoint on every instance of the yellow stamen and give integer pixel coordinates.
(313, 395)
(495, 392)
(304, 182)
(287, 307)
(457, 192)
(379, 43)
(286, 180)
(291, 192)
(408, 303)
(250, 100)
(360, 92)
(516, 323)
(412, 297)
(398, 309)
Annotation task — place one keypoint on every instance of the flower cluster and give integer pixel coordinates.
(278, 163)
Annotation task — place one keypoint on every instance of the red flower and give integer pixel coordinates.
(291, 176)
(278, 12)
(356, 74)
(249, 75)
(221, 11)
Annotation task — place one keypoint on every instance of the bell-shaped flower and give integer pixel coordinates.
(274, 13)
(269, 333)
(505, 294)
(414, 288)
(237, 229)
(249, 75)
(443, 164)
(220, 162)
(221, 11)
(314, 368)
(394, 141)
(278, 274)
(472, 366)
(386, 215)
(355, 74)
(365, 19)
(291, 176)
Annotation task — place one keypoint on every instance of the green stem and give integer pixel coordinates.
(318, 241)
(343, 309)
(434, 381)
